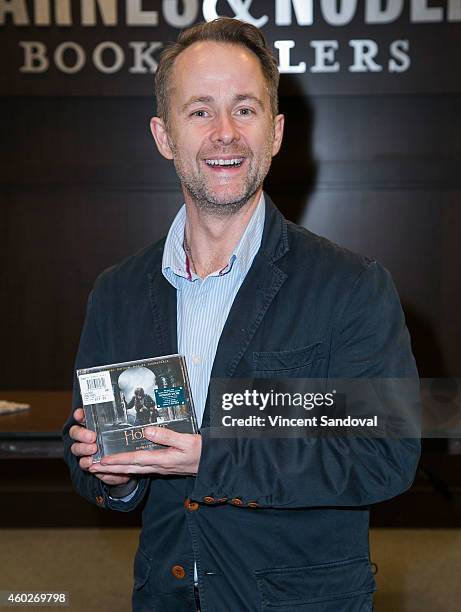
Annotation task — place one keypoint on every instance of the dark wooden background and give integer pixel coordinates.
(82, 187)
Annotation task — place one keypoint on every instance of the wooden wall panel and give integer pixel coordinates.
(57, 243)
(82, 186)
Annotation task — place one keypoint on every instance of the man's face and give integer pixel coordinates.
(222, 134)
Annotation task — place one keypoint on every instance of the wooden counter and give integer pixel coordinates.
(35, 432)
(35, 486)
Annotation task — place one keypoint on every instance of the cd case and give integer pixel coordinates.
(121, 399)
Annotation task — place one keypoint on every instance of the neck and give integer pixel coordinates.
(210, 238)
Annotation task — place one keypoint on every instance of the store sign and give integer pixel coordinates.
(110, 47)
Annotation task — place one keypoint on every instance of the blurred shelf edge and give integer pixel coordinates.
(32, 448)
(34, 433)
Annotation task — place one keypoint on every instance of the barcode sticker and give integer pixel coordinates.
(96, 388)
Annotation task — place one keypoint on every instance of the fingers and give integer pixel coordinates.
(85, 463)
(112, 479)
(167, 437)
(131, 470)
(82, 434)
(135, 458)
(117, 470)
(160, 461)
(83, 450)
(181, 455)
(84, 447)
(79, 415)
(138, 462)
(85, 441)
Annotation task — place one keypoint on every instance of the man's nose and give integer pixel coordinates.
(225, 131)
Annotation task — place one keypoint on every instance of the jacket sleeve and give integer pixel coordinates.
(92, 352)
(369, 340)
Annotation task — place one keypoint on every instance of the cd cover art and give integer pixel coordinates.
(121, 399)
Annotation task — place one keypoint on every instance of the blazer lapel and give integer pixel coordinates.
(261, 285)
(254, 297)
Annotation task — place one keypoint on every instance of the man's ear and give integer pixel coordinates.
(160, 134)
(279, 123)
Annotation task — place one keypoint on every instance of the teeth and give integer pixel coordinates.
(225, 162)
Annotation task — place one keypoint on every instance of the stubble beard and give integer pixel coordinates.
(207, 200)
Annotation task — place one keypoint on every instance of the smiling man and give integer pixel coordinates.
(223, 140)
(242, 524)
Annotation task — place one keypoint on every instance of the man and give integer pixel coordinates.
(145, 407)
(254, 524)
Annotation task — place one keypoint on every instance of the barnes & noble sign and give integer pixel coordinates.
(110, 47)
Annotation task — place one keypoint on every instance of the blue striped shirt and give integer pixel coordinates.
(204, 304)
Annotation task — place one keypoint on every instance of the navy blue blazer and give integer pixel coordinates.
(277, 524)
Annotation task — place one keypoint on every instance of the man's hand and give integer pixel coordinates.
(181, 457)
(85, 446)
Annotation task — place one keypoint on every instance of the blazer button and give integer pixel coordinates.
(253, 504)
(191, 505)
(178, 571)
(209, 500)
(237, 502)
(222, 500)
(100, 500)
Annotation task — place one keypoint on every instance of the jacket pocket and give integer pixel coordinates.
(279, 361)
(142, 565)
(341, 586)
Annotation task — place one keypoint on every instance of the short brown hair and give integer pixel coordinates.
(225, 30)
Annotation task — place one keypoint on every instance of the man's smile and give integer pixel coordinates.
(224, 164)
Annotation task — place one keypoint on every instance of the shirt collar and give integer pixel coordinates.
(174, 261)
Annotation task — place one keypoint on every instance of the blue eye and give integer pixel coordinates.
(245, 111)
(199, 113)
